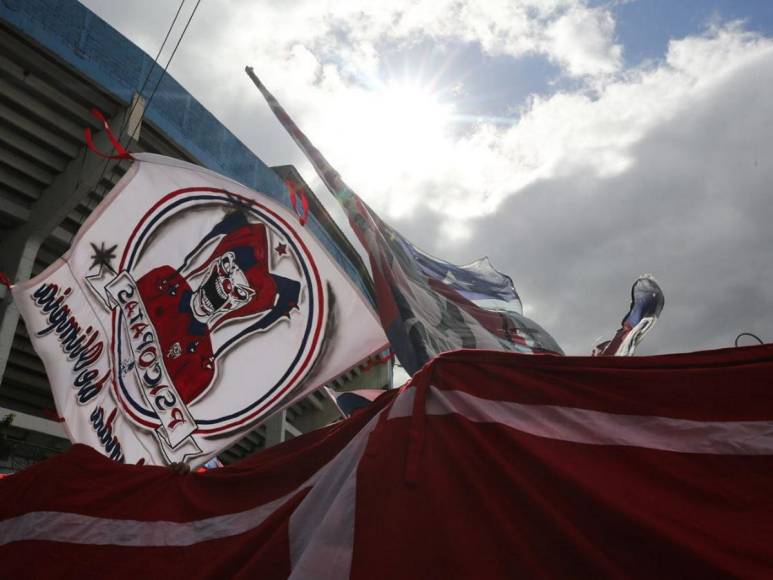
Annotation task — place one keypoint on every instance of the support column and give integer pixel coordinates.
(66, 192)
(275, 429)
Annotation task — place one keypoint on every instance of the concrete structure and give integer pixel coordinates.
(57, 61)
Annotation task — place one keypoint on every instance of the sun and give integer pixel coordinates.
(391, 128)
(411, 110)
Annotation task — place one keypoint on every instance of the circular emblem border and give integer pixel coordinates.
(313, 284)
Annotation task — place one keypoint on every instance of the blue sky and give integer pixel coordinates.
(645, 27)
(497, 85)
(481, 84)
(577, 143)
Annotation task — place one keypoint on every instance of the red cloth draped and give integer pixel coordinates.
(506, 466)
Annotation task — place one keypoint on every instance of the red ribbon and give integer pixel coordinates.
(122, 153)
(302, 217)
(53, 415)
(5, 280)
(377, 360)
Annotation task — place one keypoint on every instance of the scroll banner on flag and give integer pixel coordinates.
(426, 305)
(188, 309)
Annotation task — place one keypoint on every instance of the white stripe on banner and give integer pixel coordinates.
(599, 428)
(321, 529)
(82, 529)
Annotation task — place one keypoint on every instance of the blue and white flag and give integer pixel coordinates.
(647, 302)
(426, 305)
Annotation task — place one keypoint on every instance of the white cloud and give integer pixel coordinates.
(691, 203)
(575, 36)
(322, 59)
(350, 33)
(554, 136)
(582, 41)
(662, 168)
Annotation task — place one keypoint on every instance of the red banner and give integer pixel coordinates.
(488, 465)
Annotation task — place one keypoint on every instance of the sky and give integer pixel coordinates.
(576, 143)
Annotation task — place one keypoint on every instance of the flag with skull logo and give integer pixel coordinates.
(188, 309)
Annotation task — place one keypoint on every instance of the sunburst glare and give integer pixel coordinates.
(389, 131)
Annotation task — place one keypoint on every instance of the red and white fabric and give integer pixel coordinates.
(487, 465)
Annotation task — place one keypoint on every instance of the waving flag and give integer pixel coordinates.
(188, 309)
(426, 305)
(647, 302)
(489, 465)
(351, 401)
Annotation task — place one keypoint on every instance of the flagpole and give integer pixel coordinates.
(329, 176)
(421, 314)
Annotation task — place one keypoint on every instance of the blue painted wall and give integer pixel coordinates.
(96, 49)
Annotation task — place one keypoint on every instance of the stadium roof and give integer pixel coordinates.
(58, 61)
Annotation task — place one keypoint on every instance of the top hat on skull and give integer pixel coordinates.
(235, 282)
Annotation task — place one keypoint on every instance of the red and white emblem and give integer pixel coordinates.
(190, 309)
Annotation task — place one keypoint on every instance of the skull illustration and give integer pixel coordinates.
(224, 288)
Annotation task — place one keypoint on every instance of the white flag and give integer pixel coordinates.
(188, 309)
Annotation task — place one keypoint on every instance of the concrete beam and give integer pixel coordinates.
(15, 140)
(290, 429)
(75, 183)
(37, 85)
(24, 397)
(18, 182)
(39, 173)
(32, 423)
(35, 61)
(33, 129)
(31, 380)
(275, 429)
(13, 209)
(21, 98)
(315, 402)
(69, 188)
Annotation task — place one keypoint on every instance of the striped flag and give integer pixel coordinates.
(426, 305)
(488, 465)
